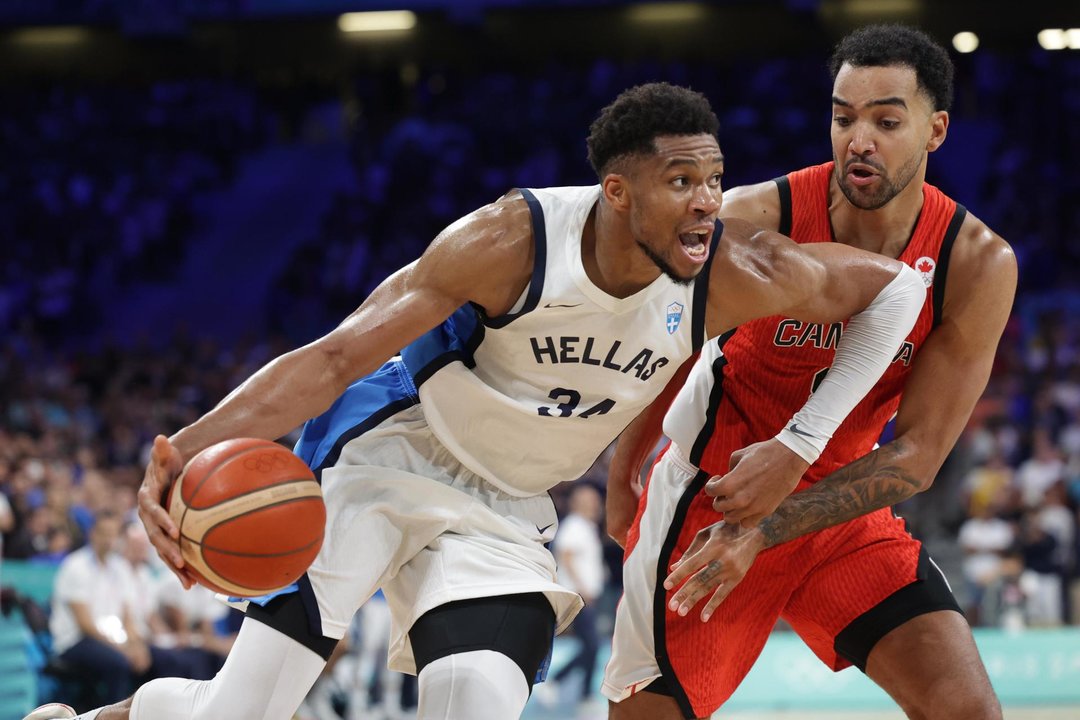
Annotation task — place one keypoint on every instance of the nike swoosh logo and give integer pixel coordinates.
(557, 305)
(544, 529)
(795, 429)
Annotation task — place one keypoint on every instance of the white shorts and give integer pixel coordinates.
(405, 515)
(633, 649)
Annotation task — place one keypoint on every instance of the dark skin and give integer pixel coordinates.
(884, 125)
(651, 209)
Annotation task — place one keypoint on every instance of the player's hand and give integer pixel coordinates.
(760, 477)
(716, 562)
(620, 508)
(165, 466)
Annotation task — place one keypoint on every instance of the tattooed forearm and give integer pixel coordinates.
(872, 482)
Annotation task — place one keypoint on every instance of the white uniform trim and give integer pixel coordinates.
(633, 650)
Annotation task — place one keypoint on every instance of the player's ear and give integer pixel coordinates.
(939, 128)
(616, 190)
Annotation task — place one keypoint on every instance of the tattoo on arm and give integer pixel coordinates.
(870, 483)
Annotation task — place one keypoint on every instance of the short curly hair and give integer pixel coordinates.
(885, 45)
(630, 124)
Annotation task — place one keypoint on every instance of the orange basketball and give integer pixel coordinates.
(250, 514)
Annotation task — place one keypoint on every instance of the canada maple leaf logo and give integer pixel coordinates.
(926, 265)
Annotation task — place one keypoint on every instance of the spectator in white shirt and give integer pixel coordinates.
(92, 623)
(96, 620)
(579, 554)
(984, 538)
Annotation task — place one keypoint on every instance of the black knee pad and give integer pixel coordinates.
(521, 627)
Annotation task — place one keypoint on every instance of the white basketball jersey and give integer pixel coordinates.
(530, 399)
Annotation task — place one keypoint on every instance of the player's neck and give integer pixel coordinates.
(885, 230)
(612, 260)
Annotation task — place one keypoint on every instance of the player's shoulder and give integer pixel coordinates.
(498, 234)
(485, 257)
(758, 204)
(509, 217)
(980, 255)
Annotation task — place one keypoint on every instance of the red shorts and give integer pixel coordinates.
(818, 583)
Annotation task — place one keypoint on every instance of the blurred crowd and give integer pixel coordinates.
(100, 186)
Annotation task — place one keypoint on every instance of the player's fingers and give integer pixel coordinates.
(684, 600)
(696, 587)
(701, 539)
(153, 514)
(160, 529)
(736, 458)
(715, 486)
(717, 597)
(185, 578)
(168, 551)
(733, 507)
(687, 565)
(165, 455)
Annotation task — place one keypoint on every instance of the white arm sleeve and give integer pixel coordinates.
(866, 348)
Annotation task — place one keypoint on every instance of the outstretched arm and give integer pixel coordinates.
(485, 258)
(949, 375)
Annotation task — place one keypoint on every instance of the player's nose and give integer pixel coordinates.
(862, 141)
(705, 200)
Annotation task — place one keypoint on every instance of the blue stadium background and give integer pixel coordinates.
(189, 187)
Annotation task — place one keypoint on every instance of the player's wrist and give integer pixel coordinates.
(802, 441)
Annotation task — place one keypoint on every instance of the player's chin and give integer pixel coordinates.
(692, 259)
(866, 197)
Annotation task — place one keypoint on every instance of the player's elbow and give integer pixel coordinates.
(923, 481)
(918, 461)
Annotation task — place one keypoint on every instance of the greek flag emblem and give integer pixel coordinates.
(674, 317)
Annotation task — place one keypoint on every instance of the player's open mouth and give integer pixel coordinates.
(859, 174)
(696, 244)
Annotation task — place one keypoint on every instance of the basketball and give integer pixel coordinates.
(250, 514)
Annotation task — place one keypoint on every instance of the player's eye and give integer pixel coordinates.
(842, 121)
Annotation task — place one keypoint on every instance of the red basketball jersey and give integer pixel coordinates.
(769, 367)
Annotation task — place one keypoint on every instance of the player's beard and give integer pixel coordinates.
(664, 265)
(887, 187)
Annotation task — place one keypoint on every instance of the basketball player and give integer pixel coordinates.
(534, 330)
(832, 560)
